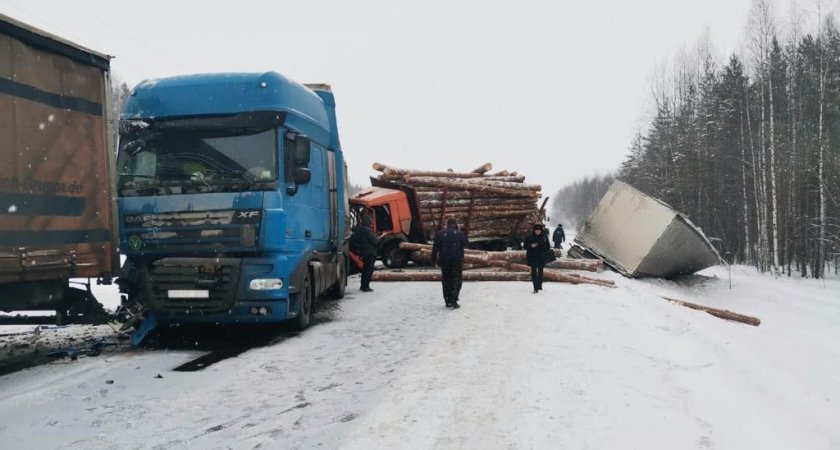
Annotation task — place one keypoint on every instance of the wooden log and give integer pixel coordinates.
(479, 257)
(591, 265)
(509, 179)
(501, 173)
(460, 185)
(430, 193)
(481, 208)
(482, 220)
(477, 209)
(436, 193)
(519, 256)
(555, 275)
(514, 256)
(486, 167)
(428, 275)
(403, 173)
(433, 181)
(721, 313)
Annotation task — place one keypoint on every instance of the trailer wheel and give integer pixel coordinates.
(393, 256)
(305, 302)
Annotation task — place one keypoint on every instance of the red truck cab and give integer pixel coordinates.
(392, 221)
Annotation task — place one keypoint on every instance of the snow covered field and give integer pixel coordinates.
(574, 367)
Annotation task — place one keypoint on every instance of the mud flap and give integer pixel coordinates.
(149, 323)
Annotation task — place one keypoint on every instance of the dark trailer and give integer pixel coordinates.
(57, 202)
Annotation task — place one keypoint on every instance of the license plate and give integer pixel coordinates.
(188, 293)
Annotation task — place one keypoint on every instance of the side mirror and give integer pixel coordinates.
(302, 151)
(302, 175)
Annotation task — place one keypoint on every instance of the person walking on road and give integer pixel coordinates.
(559, 236)
(536, 247)
(364, 243)
(448, 253)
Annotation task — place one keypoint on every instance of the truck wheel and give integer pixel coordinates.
(304, 298)
(340, 287)
(393, 256)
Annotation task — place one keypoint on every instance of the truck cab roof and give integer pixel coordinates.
(308, 111)
(376, 196)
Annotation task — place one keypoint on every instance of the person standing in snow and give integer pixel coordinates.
(559, 236)
(448, 254)
(364, 243)
(536, 247)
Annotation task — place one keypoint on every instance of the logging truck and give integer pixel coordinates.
(398, 217)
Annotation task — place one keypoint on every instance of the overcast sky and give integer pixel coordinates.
(552, 89)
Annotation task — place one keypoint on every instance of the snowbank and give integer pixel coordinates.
(573, 367)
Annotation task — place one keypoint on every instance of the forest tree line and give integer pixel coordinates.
(749, 148)
(574, 202)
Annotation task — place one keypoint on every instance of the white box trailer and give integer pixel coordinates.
(641, 236)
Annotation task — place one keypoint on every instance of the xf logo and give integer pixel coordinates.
(248, 214)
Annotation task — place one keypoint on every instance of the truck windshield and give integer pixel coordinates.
(164, 162)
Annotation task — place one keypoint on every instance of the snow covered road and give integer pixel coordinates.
(574, 367)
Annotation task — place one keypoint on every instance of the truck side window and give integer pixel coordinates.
(383, 218)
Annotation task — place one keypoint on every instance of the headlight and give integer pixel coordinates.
(265, 284)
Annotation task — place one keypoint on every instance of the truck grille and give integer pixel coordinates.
(194, 232)
(218, 276)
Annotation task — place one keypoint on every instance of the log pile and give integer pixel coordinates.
(488, 206)
(493, 266)
(422, 254)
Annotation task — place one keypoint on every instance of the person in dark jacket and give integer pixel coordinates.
(364, 243)
(448, 253)
(536, 245)
(559, 236)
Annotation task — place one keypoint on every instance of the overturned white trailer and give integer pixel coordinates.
(641, 236)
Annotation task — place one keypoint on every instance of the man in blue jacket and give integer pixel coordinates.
(448, 253)
(559, 236)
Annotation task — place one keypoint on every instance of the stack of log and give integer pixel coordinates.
(496, 266)
(489, 206)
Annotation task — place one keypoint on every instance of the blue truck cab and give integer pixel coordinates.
(232, 199)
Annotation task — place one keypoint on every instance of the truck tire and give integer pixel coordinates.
(393, 256)
(305, 300)
(340, 287)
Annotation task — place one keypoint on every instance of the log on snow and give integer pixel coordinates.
(428, 275)
(548, 274)
(721, 313)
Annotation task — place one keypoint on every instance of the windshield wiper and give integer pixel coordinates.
(137, 175)
(243, 175)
